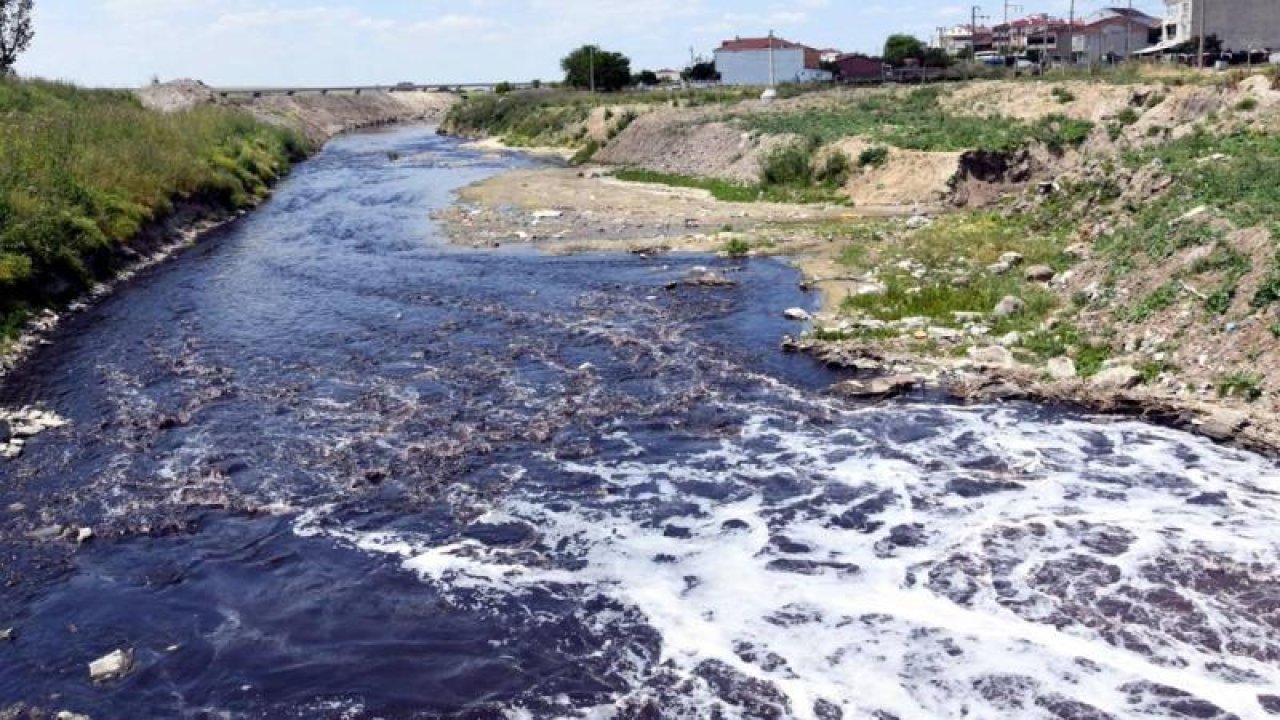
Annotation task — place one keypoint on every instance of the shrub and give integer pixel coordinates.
(503, 88)
(1245, 385)
(1127, 116)
(874, 156)
(1247, 105)
(737, 247)
(835, 169)
(1063, 95)
(789, 164)
(585, 153)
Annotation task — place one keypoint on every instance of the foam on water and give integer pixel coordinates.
(993, 564)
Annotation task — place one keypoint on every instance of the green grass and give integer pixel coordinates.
(726, 191)
(1156, 301)
(82, 171)
(917, 121)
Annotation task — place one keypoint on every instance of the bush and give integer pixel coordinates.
(1245, 385)
(1247, 105)
(835, 169)
(503, 88)
(874, 156)
(585, 153)
(789, 164)
(1063, 95)
(737, 247)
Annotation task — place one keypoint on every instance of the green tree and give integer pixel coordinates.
(589, 65)
(646, 77)
(701, 71)
(16, 32)
(899, 48)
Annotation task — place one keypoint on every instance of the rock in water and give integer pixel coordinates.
(6, 431)
(1121, 377)
(1061, 368)
(877, 388)
(1008, 307)
(112, 666)
(798, 314)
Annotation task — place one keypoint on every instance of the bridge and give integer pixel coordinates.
(257, 92)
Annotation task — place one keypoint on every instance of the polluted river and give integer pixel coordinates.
(325, 465)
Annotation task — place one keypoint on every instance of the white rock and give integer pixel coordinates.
(84, 535)
(1012, 259)
(864, 289)
(1013, 339)
(1008, 307)
(1040, 273)
(1061, 368)
(915, 222)
(68, 715)
(944, 333)
(546, 214)
(1121, 377)
(993, 355)
(799, 314)
(114, 665)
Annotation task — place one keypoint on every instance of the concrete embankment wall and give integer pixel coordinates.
(317, 117)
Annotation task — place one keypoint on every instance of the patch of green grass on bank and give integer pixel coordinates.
(726, 191)
(917, 121)
(82, 171)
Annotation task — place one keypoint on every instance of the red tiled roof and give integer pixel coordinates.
(743, 44)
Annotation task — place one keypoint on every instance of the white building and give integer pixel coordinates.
(1239, 24)
(745, 61)
(1113, 34)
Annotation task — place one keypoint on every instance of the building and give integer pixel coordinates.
(1114, 34)
(745, 61)
(1052, 39)
(667, 75)
(855, 68)
(1239, 24)
(830, 55)
(963, 39)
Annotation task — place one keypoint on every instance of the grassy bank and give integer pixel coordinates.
(917, 121)
(83, 171)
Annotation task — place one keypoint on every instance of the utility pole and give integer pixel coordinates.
(591, 53)
(771, 92)
(1201, 3)
(1071, 31)
(1128, 31)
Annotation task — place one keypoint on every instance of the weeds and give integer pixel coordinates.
(917, 121)
(726, 191)
(736, 248)
(874, 156)
(1063, 95)
(1244, 385)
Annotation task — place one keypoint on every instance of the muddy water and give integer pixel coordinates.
(337, 469)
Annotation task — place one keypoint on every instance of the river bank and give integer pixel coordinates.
(1107, 244)
(182, 216)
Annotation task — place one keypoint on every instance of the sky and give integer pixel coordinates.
(298, 43)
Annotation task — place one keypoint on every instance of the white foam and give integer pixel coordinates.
(881, 638)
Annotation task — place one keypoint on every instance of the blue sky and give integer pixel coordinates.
(318, 42)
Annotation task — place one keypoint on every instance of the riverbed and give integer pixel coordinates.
(337, 467)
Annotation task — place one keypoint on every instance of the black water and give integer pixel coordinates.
(337, 468)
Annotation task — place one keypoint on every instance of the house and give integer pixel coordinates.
(853, 68)
(1238, 24)
(963, 39)
(667, 75)
(746, 61)
(1049, 37)
(830, 55)
(1113, 34)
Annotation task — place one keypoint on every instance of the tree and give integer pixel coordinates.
(899, 48)
(590, 66)
(648, 78)
(15, 32)
(937, 58)
(701, 71)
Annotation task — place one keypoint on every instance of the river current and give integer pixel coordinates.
(337, 468)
